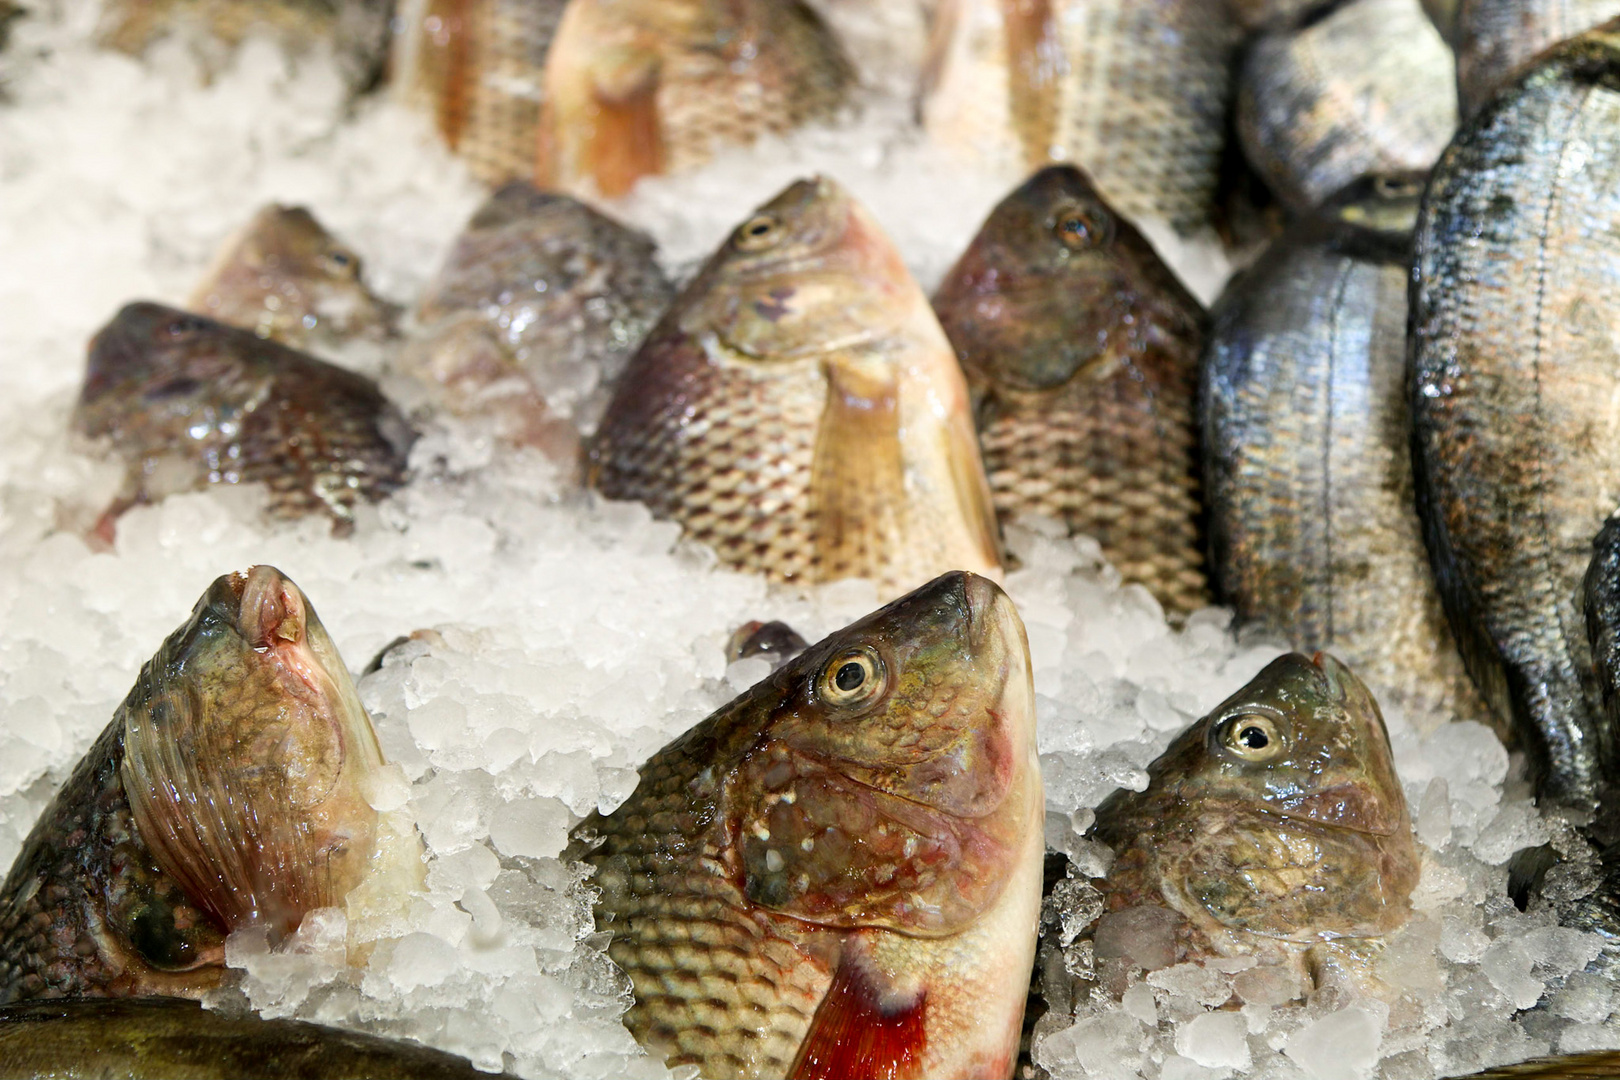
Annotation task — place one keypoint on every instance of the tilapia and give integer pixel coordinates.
(539, 306)
(165, 1039)
(1369, 88)
(1513, 371)
(1314, 534)
(187, 402)
(229, 791)
(1133, 91)
(639, 87)
(800, 410)
(285, 277)
(1497, 39)
(1081, 350)
(838, 874)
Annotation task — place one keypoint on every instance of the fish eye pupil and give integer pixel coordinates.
(849, 676)
(1254, 738)
(759, 228)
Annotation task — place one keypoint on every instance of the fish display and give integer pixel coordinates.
(799, 409)
(1496, 39)
(187, 402)
(167, 1039)
(1314, 533)
(1516, 280)
(1133, 91)
(838, 874)
(227, 792)
(538, 291)
(635, 88)
(285, 277)
(1081, 350)
(1369, 88)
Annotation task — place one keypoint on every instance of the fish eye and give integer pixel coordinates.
(758, 233)
(853, 677)
(340, 261)
(1252, 737)
(1080, 227)
(182, 325)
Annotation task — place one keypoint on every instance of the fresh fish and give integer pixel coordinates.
(838, 874)
(1368, 88)
(538, 308)
(776, 642)
(1513, 371)
(1133, 91)
(285, 277)
(1314, 533)
(163, 1039)
(1081, 349)
(1496, 39)
(227, 792)
(800, 410)
(188, 402)
(1595, 1065)
(640, 87)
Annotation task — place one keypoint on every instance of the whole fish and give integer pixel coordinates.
(539, 306)
(188, 402)
(1369, 88)
(1314, 535)
(166, 1039)
(1081, 349)
(285, 277)
(227, 792)
(838, 874)
(799, 408)
(1513, 368)
(640, 87)
(1133, 91)
(1496, 39)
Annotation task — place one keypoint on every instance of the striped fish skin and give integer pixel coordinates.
(800, 410)
(1314, 534)
(1513, 370)
(1496, 39)
(1081, 349)
(863, 827)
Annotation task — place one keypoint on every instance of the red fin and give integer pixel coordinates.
(855, 1036)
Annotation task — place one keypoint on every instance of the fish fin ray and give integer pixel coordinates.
(856, 1033)
(857, 480)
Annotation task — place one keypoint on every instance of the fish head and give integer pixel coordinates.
(287, 253)
(808, 273)
(895, 780)
(246, 752)
(1054, 281)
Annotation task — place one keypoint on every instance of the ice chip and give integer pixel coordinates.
(1342, 1045)
(1217, 1040)
(534, 828)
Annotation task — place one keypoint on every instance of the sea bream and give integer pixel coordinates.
(838, 874)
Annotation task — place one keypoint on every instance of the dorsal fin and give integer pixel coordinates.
(856, 1033)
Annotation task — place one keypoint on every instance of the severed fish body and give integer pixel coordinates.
(1370, 88)
(1515, 314)
(1497, 39)
(188, 402)
(228, 792)
(1307, 453)
(538, 308)
(838, 874)
(285, 277)
(1081, 350)
(640, 87)
(1133, 91)
(800, 410)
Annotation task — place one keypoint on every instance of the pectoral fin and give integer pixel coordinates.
(857, 482)
(859, 1030)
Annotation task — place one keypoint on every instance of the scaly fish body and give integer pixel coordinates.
(1132, 91)
(1513, 379)
(1314, 533)
(1081, 349)
(838, 874)
(1369, 88)
(641, 87)
(188, 402)
(285, 277)
(1496, 39)
(799, 409)
(227, 792)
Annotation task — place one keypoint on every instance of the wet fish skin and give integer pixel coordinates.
(100, 1039)
(224, 794)
(1496, 39)
(1511, 373)
(776, 642)
(825, 843)
(1595, 1065)
(799, 409)
(1081, 350)
(188, 402)
(643, 87)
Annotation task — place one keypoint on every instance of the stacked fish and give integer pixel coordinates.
(1392, 438)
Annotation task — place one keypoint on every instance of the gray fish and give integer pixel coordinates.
(1496, 39)
(1513, 378)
